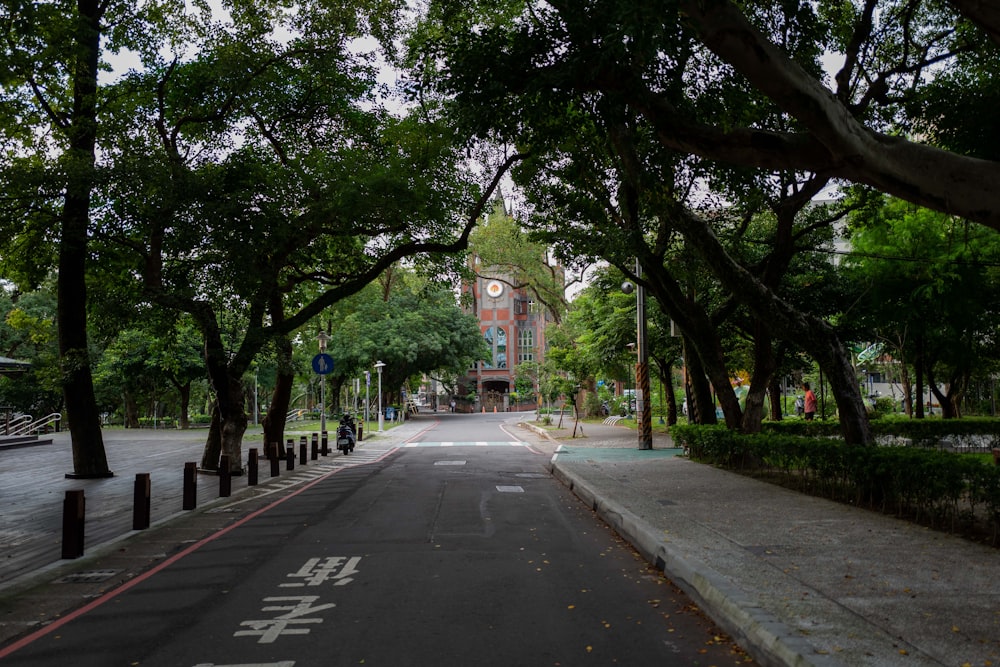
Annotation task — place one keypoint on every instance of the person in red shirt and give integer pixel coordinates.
(810, 406)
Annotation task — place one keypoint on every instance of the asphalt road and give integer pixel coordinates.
(456, 549)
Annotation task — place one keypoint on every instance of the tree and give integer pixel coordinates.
(139, 364)
(929, 292)
(54, 51)
(505, 251)
(571, 365)
(262, 182)
(415, 328)
(636, 76)
(28, 332)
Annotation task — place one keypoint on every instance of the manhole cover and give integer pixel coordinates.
(88, 577)
(510, 489)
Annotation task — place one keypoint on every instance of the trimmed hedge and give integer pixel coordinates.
(940, 488)
(969, 433)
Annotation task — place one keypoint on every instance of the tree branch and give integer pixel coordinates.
(359, 280)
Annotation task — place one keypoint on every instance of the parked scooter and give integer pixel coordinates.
(345, 434)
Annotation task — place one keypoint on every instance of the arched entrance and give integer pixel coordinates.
(495, 395)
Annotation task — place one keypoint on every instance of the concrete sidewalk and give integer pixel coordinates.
(796, 580)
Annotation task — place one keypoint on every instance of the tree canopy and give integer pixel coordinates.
(644, 121)
(251, 172)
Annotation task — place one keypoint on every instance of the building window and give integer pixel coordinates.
(500, 356)
(488, 337)
(525, 344)
(496, 340)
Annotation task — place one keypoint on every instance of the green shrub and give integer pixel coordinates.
(934, 486)
(885, 406)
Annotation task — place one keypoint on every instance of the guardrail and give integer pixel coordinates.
(16, 424)
(28, 427)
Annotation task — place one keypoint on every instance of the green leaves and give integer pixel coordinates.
(416, 329)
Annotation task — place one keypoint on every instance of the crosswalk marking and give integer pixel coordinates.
(477, 443)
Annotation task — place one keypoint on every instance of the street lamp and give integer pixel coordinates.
(368, 401)
(323, 339)
(379, 366)
(644, 423)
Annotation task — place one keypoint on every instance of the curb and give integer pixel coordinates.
(770, 641)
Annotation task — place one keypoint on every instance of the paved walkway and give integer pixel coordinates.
(796, 580)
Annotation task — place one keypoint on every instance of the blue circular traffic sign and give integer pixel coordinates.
(323, 363)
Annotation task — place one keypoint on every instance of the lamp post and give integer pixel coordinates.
(368, 400)
(379, 366)
(323, 339)
(643, 416)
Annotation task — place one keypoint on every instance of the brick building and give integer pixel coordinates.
(513, 325)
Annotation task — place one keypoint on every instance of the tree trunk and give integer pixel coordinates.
(229, 417)
(131, 411)
(904, 380)
(918, 368)
(335, 385)
(764, 366)
(213, 443)
(277, 411)
(576, 415)
(701, 340)
(701, 407)
(234, 426)
(670, 396)
(233, 423)
(89, 458)
(184, 391)
(775, 395)
(226, 436)
(949, 400)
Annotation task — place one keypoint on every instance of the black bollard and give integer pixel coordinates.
(314, 453)
(325, 446)
(190, 485)
(253, 465)
(74, 512)
(303, 451)
(275, 460)
(141, 502)
(290, 458)
(225, 478)
(361, 431)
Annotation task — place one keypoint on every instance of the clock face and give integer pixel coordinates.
(494, 288)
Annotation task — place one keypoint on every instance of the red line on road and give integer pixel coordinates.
(97, 602)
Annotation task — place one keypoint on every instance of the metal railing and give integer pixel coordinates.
(23, 425)
(16, 423)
